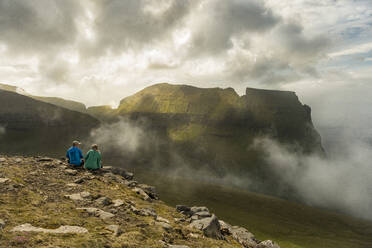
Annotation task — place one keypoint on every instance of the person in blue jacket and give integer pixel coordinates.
(74, 155)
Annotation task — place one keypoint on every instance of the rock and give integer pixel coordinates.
(118, 203)
(210, 226)
(79, 180)
(268, 244)
(4, 180)
(225, 228)
(195, 210)
(149, 190)
(183, 208)
(106, 169)
(105, 201)
(2, 224)
(178, 246)
(125, 174)
(78, 196)
(44, 159)
(130, 184)
(18, 160)
(85, 194)
(164, 225)
(61, 230)
(142, 193)
(98, 213)
(2, 160)
(202, 215)
(161, 219)
(115, 229)
(243, 236)
(73, 185)
(71, 172)
(144, 212)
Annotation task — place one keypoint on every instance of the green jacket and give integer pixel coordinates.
(92, 160)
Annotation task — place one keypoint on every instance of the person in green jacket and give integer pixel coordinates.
(93, 159)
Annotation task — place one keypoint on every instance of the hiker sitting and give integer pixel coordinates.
(93, 159)
(74, 155)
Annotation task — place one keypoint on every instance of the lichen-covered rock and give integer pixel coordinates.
(115, 229)
(61, 230)
(98, 213)
(105, 201)
(210, 227)
(244, 237)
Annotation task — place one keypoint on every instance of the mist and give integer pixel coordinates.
(2, 130)
(340, 181)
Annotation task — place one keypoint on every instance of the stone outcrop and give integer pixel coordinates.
(60, 230)
(201, 219)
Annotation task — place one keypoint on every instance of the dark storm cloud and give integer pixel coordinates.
(37, 26)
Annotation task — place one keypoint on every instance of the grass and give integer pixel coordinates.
(292, 225)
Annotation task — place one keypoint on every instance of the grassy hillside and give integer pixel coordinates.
(292, 225)
(33, 126)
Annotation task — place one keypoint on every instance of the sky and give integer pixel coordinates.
(98, 52)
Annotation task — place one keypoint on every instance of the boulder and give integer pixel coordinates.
(161, 219)
(202, 215)
(61, 230)
(118, 203)
(149, 190)
(142, 193)
(210, 227)
(98, 213)
(178, 246)
(115, 229)
(79, 196)
(71, 172)
(144, 211)
(243, 236)
(130, 184)
(195, 210)
(2, 160)
(268, 244)
(182, 208)
(4, 180)
(105, 201)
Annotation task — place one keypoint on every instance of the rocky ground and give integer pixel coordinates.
(45, 203)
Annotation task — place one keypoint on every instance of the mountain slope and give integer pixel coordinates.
(63, 207)
(24, 118)
(67, 104)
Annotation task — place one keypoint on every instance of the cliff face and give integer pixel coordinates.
(216, 128)
(222, 112)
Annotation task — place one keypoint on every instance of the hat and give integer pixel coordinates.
(75, 142)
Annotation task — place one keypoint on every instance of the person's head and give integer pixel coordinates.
(95, 147)
(75, 143)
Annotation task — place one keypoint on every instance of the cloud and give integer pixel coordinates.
(214, 24)
(38, 27)
(132, 24)
(341, 182)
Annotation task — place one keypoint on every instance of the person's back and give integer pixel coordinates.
(93, 159)
(74, 154)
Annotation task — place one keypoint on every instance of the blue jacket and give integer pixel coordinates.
(75, 155)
